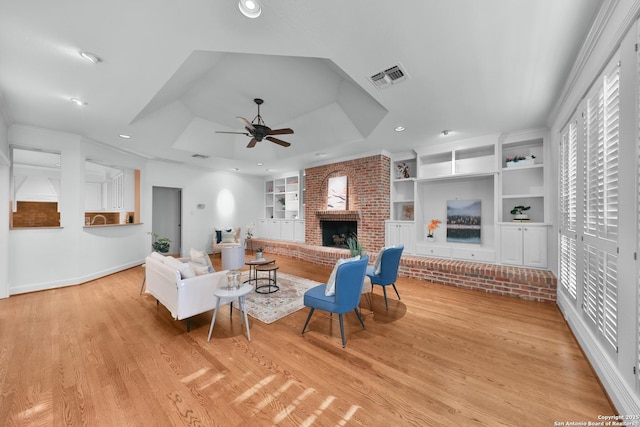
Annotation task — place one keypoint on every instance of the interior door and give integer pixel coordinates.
(167, 216)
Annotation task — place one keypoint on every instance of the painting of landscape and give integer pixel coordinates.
(464, 221)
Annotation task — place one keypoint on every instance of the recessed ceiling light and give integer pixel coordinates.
(399, 128)
(236, 169)
(250, 8)
(320, 154)
(91, 57)
(446, 132)
(77, 101)
(259, 163)
(124, 136)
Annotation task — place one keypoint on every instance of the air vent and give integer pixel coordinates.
(200, 156)
(388, 77)
(162, 159)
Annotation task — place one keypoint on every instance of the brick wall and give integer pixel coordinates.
(368, 199)
(36, 214)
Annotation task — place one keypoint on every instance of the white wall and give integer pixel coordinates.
(74, 254)
(4, 213)
(230, 199)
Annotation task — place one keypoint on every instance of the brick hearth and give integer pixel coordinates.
(524, 283)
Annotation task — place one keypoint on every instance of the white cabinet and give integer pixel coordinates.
(401, 232)
(280, 229)
(298, 231)
(524, 244)
(287, 230)
(261, 228)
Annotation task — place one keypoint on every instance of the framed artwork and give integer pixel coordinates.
(464, 221)
(407, 212)
(337, 197)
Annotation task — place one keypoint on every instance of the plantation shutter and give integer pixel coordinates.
(611, 152)
(568, 214)
(593, 170)
(568, 265)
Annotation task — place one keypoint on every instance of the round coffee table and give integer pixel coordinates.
(272, 285)
(253, 264)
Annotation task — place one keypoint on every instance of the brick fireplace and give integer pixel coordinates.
(368, 202)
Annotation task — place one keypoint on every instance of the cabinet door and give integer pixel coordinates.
(298, 231)
(401, 232)
(261, 228)
(511, 244)
(286, 230)
(535, 246)
(273, 229)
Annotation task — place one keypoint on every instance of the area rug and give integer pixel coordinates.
(288, 299)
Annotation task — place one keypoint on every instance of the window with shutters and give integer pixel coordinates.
(600, 157)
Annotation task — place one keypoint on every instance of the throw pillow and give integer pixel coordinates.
(183, 268)
(228, 236)
(200, 269)
(199, 257)
(156, 255)
(330, 289)
(377, 265)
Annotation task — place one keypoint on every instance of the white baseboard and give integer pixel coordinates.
(624, 398)
(42, 286)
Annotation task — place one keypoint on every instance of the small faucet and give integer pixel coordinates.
(99, 216)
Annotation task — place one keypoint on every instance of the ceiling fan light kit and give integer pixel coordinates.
(258, 130)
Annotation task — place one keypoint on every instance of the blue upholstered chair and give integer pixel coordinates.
(348, 288)
(385, 271)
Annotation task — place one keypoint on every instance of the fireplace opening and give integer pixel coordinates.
(336, 233)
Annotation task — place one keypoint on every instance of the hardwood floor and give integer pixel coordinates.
(101, 354)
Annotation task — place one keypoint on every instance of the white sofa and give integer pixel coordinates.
(229, 237)
(184, 294)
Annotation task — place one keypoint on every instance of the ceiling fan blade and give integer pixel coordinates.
(252, 143)
(239, 133)
(285, 131)
(278, 141)
(246, 124)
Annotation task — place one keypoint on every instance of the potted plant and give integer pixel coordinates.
(259, 252)
(518, 212)
(160, 244)
(355, 247)
(435, 223)
(518, 160)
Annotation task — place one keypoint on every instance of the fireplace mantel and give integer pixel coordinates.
(338, 215)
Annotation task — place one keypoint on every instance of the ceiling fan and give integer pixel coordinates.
(258, 130)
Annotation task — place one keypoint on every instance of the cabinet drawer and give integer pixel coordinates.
(479, 255)
(431, 250)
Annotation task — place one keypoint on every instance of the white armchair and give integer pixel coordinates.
(228, 237)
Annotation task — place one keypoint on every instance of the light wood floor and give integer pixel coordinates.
(100, 354)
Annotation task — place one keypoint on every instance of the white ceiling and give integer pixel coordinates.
(174, 72)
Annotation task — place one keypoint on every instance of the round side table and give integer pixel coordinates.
(223, 292)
